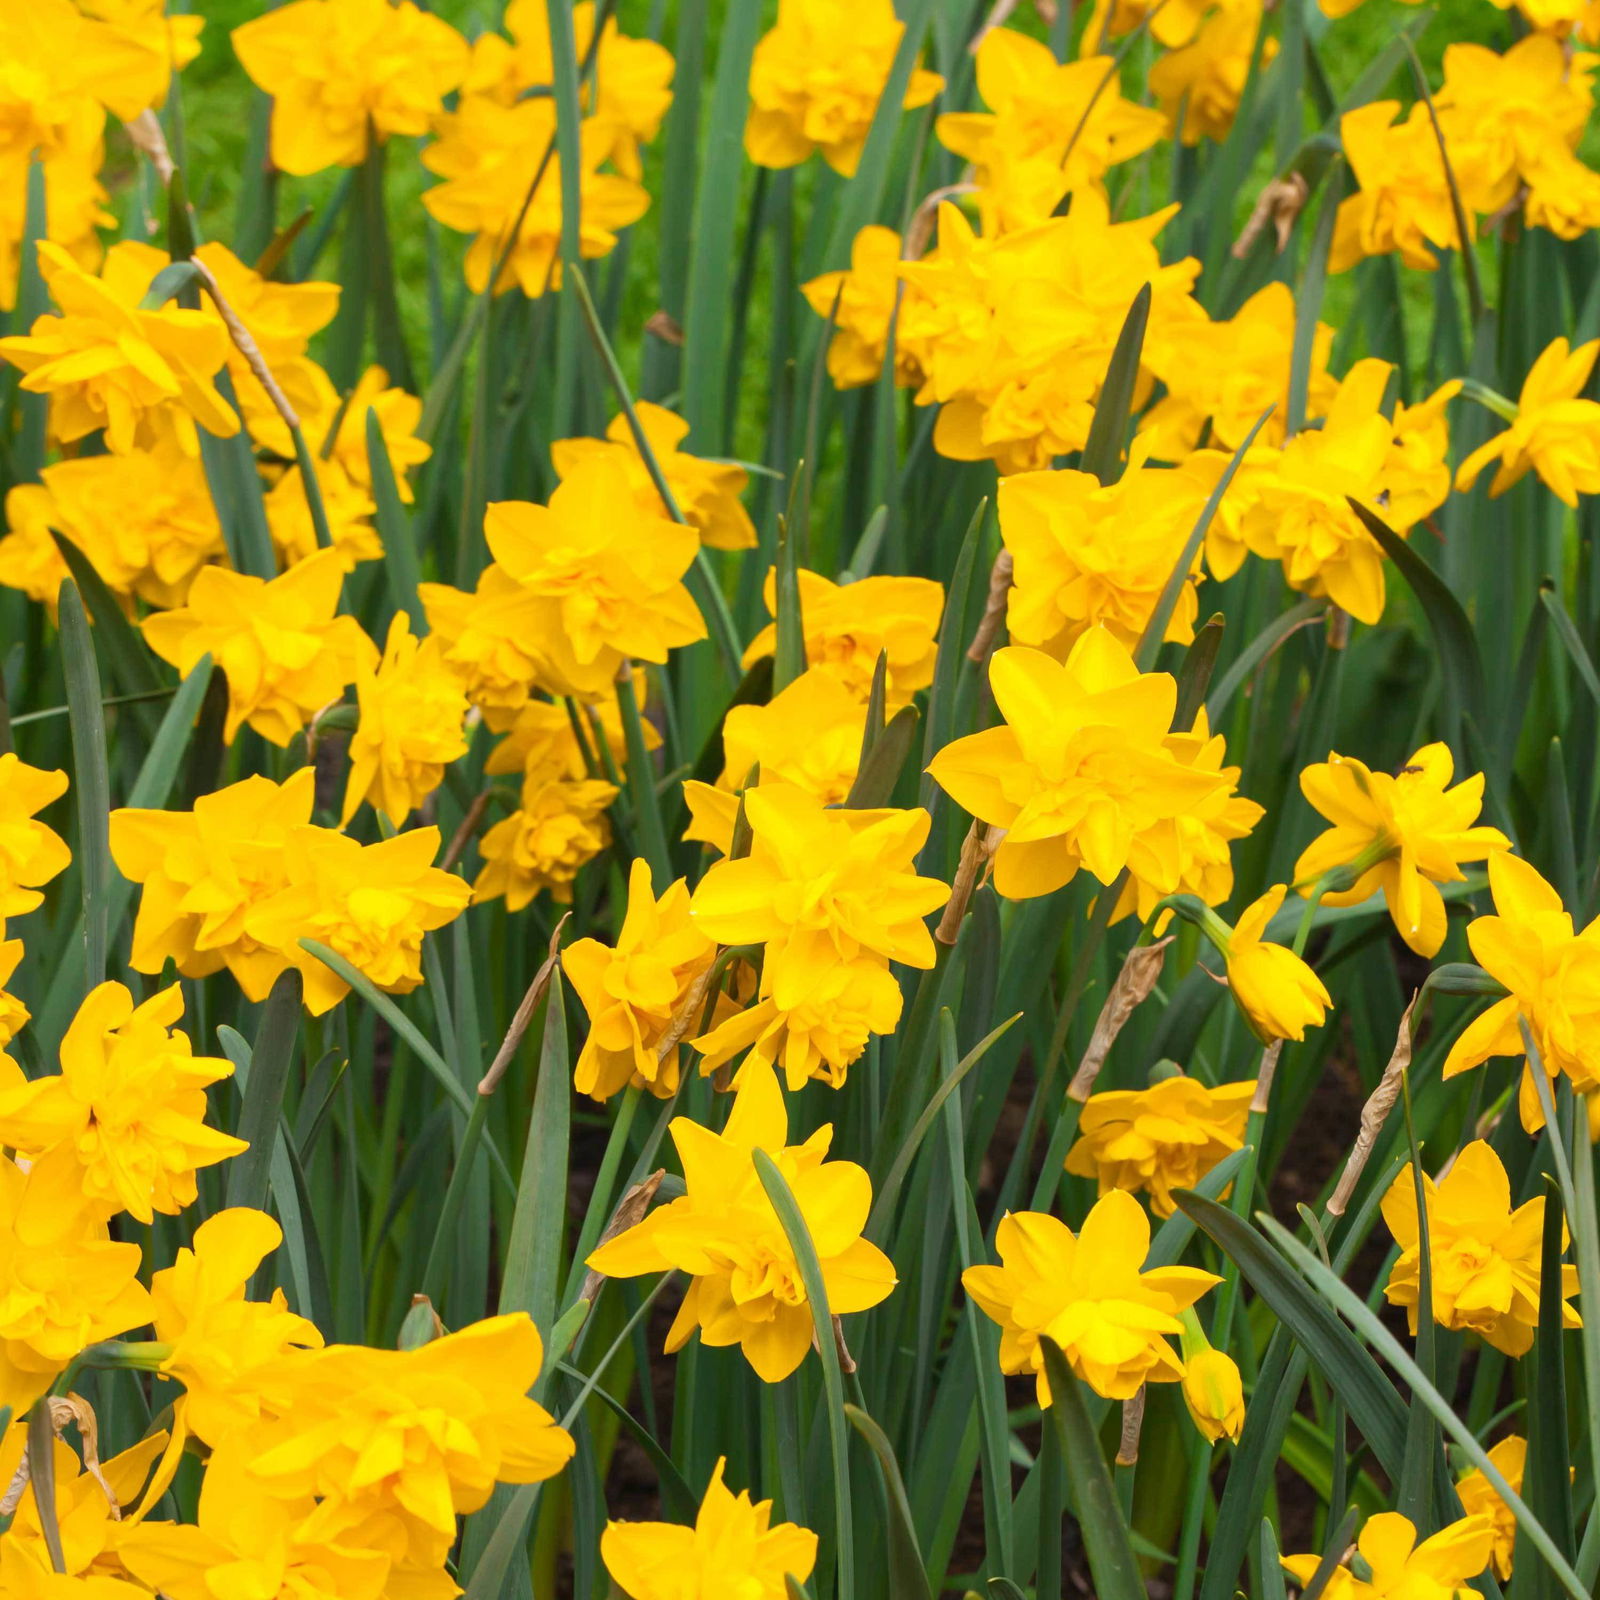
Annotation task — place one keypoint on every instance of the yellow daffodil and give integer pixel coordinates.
(285, 651)
(141, 376)
(816, 80)
(1213, 1391)
(129, 1104)
(1278, 993)
(542, 741)
(1013, 331)
(370, 904)
(848, 626)
(1155, 1140)
(412, 710)
(396, 1444)
(732, 1537)
(492, 637)
(817, 1030)
(707, 492)
(1403, 204)
(1299, 511)
(630, 91)
(145, 520)
(242, 1536)
(1088, 1293)
(13, 1014)
(338, 423)
(1228, 374)
(820, 886)
(634, 992)
(724, 1233)
(808, 734)
(1051, 126)
(31, 853)
(1553, 976)
(865, 296)
(1509, 117)
(1483, 1256)
(1080, 773)
(341, 72)
(204, 870)
(348, 507)
(489, 156)
(1086, 554)
(545, 842)
(64, 1284)
(1552, 431)
(1191, 853)
(58, 77)
(1403, 834)
(1439, 1568)
(88, 1507)
(604, 573)
(1199, 85)
(1480, 1498)
(219, 1345)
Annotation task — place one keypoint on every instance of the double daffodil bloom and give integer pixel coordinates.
(1483, 1256)
(1088, 1293)
(1551, 430)
(1403, 833)
(1440, 1568)
(724, 1232)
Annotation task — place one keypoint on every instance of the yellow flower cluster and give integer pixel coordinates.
(1510, 126)
(68, 63)
(241, 879)
(495, 151)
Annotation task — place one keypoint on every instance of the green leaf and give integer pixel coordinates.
(1257, 651)
(1108, 431)
(887, 1190)
(1460, 665)
(789, 654)
(271, 1057)
(712, 260)
(1272, 1584)
(1375, 1407)
(907, 1576)
(880, 771)
(1155, 629)
(1199, 660)
(92, 785)
(400, 568)
(413, 1036)
(1547, 1480)
(131, 665)
(1369, 1325)
(42, 1479)
(952, 651)
(1571, 640)
(805, 1254)
(1112, 1563)
(235, 486)
(532, 1273)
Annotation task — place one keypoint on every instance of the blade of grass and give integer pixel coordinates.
(92, 785)
(1343, 1299)
(1156, 627)
(271, 1057)
(1108, 430)
(907, 1578)
(1112, 1563)
(799, 1237)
